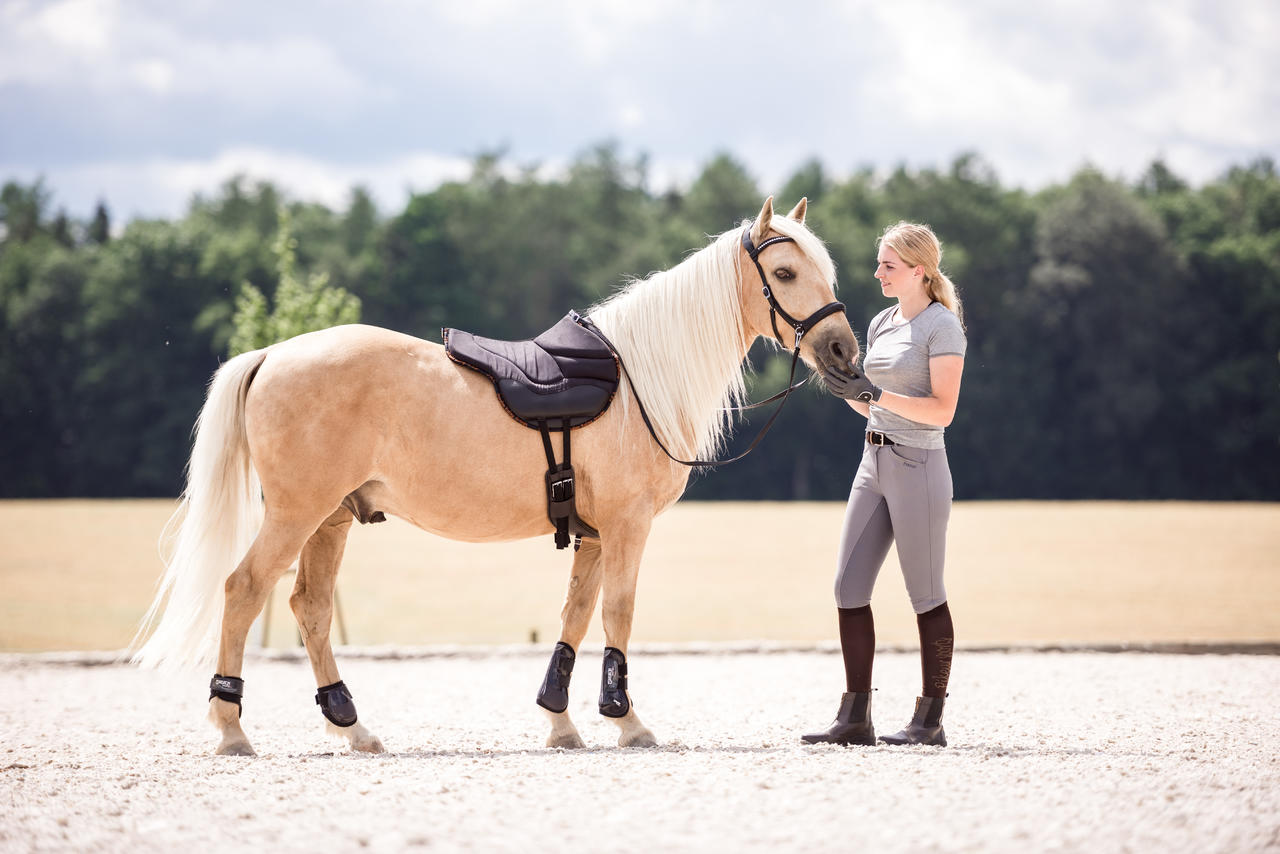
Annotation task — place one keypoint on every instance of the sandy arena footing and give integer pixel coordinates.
(1059, 751)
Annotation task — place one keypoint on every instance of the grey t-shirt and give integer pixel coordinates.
(897, 360)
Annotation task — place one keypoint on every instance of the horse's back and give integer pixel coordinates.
(339, 344)
(332, 410)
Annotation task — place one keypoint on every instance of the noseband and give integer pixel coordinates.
(800, 327)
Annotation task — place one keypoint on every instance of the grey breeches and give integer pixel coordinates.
(900, 495)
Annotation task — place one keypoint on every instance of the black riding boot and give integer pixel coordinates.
(925, 726)
(852, 724)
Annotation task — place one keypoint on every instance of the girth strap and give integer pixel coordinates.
(562, 507)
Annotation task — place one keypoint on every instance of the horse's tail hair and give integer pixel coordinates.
(208, 535)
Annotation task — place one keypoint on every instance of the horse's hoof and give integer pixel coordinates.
(357, 736)
(640, 738)
(569, 740)
(234, 748)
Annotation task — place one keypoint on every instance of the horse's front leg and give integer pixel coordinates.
(579, 605)
(623, 546)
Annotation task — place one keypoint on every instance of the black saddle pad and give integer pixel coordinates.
(568, 373)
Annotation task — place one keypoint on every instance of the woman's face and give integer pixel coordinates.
(896, 278)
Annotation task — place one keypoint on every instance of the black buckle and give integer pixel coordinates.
(560, 486)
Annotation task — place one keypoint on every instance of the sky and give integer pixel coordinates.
(144, 103)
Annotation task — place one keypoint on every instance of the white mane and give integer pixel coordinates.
(680, 333)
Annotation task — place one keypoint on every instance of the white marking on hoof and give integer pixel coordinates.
(226, 717)
(563, 732)
(640, 738)
(634, 733)
(235, 747)
(570, 740)
(359, 737)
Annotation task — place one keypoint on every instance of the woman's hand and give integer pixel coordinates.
(851, 384)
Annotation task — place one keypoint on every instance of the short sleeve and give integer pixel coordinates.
(947, 337)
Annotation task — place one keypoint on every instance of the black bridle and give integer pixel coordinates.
(800, 327)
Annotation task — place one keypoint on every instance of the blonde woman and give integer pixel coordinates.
(907, 390)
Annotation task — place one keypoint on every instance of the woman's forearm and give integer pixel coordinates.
(926, 410)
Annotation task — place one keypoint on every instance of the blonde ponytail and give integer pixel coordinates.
(918, 246)
(942, 289)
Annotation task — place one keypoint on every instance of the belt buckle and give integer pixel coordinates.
(873, 436)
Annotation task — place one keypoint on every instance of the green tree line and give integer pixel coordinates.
(1124, 338)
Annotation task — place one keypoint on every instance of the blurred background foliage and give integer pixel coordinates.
(1124, 339)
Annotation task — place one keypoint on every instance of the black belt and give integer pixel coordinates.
(874, 438)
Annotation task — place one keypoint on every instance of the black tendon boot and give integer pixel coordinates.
(852, 724)
(925, 726)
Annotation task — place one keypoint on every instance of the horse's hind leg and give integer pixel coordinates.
(246, 592)
(312, 604)
(579, 604)
(623, 546)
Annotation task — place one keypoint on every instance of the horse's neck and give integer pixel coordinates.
(683, 345)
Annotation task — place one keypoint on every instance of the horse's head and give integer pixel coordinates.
(797, 294)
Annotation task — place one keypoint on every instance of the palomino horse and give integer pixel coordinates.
(297, 439)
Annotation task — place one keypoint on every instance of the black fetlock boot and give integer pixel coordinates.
(925, 726)
(852, 724)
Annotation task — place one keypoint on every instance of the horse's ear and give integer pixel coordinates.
(798, 212)
(761, 226)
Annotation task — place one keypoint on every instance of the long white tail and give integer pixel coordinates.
(208, 535)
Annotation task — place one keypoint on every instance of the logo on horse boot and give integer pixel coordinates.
(614, 702)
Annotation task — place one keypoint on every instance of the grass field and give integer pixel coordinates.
(78, 575)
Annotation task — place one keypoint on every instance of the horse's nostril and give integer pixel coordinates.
(838, 352)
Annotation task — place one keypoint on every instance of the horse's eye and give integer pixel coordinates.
(783, 274)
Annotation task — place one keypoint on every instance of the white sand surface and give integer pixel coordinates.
(1048, 752)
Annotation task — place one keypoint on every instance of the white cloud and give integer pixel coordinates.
(156, 75)
(264, 74)
(114, 51)
(181, 93)
(944, 71)
(607, 32)
(1041, 90)
(80, 25)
